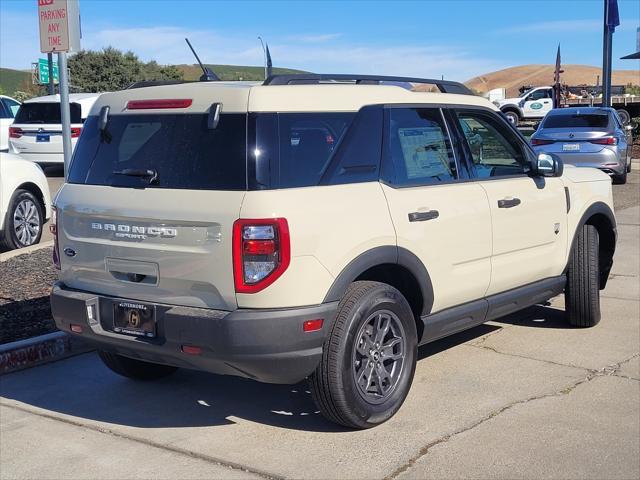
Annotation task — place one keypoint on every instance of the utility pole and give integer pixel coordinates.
(52, 87)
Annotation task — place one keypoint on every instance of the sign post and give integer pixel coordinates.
(60, 33)
(52, 74)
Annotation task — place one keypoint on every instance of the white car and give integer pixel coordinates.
(36, 133)
(8, 109)
(533, 104)
(25, 203)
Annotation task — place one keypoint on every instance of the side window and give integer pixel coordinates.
(538, 94)
(11, 106)
(417, 148)
(494, 149)
(307, 141)
(357, 157)
(4, 111)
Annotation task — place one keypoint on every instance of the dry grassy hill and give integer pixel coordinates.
(513, 78)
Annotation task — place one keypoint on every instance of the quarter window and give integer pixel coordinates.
(417, 148)
(495, 149)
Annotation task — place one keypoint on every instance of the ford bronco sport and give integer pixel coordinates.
(315, 226)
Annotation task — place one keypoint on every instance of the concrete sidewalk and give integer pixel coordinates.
(525, 397)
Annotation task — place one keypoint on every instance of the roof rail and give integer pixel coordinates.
(156, 83)
(445, 86)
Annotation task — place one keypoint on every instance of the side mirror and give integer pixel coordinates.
(549, 165)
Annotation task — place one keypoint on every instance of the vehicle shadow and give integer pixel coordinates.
(83, 387)
(538, 316)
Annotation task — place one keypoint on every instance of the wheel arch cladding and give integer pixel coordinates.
(35, 190)
(600, 216)
(392, 265)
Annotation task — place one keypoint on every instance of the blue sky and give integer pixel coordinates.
(455, 38)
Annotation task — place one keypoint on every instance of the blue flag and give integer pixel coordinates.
(612, 16)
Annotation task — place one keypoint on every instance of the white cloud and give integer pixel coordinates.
(554, 26)
(319, 53)
(327, 37)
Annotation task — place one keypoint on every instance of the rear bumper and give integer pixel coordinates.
(606, 160)
(265, 345)
(41, 158)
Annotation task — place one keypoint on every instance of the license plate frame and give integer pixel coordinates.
(43, 138)
(571, 147)
(135, 319)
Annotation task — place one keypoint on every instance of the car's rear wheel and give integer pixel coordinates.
(368, 359)
(582, 293)
(23, 221)
(135, 369)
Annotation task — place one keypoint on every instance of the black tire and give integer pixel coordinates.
(620, 179)
(629, 166)
(513, 117)
(135, 369)
(9, 238)
(582, 293)
(333, 385)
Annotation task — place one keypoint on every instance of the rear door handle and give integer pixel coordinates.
(508, 202)
(423, 216)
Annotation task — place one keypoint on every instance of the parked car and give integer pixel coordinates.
(587, 137)
(8, 109)
(25, 204)
(185, 240)
(36, 133)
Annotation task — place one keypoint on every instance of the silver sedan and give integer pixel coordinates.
(587, 137)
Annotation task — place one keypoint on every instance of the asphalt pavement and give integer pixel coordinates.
(523, 397)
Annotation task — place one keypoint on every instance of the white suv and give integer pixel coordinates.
(317, 226)
(36, 133)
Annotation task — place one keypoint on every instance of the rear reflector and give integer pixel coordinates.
(76, 328)
(191, 349)
(160, 103)
(312, 325)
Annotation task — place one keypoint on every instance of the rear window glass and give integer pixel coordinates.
(41, 112)
(576, 121)
(180, 151)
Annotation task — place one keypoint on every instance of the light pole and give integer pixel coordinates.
(264, 52)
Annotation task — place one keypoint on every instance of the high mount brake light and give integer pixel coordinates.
(15, 132)
(75, 132)
(261, 253)
(605, 141)
(159, 103)
(53, 228)
(537, 141)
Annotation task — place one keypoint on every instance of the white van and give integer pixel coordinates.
(36, 133)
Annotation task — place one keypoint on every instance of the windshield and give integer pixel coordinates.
(162, 151)
(46, 112)
(575, 120)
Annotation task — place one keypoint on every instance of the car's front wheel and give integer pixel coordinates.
(368, 359)
(582, 292)
(134, 369)
(23, 221)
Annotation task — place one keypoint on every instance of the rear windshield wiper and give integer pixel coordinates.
(138, 172)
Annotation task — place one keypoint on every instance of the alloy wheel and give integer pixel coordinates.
(26, 222)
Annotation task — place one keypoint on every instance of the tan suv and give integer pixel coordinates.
(318, 226)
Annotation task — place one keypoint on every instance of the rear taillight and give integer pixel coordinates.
(261, 253)
(15, 132)
(538, 141)
(53, 228)
(75, 132)
(605, 141)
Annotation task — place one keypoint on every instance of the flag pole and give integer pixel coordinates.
(606, 59)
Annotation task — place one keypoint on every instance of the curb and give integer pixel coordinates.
(39, 350)
(24, 251)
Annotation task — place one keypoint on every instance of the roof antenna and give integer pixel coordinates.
(207, 74)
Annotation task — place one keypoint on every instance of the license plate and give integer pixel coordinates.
(571, 147)
(133, 318)
(42, 137)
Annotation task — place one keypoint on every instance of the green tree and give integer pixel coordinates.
(110, 69)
